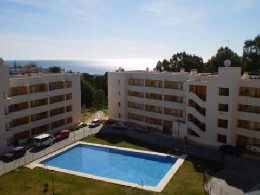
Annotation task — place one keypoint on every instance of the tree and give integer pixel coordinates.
(218, 60)
(251, 55)
(180, 60)
(93, 90)
(87, 92)
(55, 69)
(100, 98)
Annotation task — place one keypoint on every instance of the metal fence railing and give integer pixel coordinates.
(33, 154)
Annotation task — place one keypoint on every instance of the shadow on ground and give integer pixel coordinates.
(242, 173)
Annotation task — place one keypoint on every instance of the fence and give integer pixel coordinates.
(165, 141)
(36, 153)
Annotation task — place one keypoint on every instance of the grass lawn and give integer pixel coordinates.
(188, 179)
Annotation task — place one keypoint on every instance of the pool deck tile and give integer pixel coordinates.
(158, 188)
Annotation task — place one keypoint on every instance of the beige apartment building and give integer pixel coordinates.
(207, 109)
(34, 103)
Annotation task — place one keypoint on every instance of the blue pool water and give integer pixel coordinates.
(127, 166)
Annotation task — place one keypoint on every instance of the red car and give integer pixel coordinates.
(62, 134)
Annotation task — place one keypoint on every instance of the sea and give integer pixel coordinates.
(95, 66)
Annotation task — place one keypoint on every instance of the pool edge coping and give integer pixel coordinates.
(161, 185)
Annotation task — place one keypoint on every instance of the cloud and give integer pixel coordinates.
(79, 9)
(172, 13)
(243, 4)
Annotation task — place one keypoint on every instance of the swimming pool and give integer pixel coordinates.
(140, 169)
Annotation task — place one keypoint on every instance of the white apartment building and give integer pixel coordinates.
(208, 109)
(35, 103)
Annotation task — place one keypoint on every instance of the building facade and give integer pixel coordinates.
(207, 109)
(34, 103)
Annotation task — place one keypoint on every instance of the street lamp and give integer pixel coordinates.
(52, 182)
(178, 136)
(178, 131)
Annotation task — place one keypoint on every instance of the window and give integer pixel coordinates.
(68, 84)
(119, 115)
(118, 82)
(222, 138)
(119, 93)
(222, 123)
(200, 91)
(69, 108)
(119, 104)
(69, 120)
(224, 91)
(223, 107)
(68, 96)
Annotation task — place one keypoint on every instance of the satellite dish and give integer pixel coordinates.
(227, 63)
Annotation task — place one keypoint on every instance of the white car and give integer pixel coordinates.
(94, 123)
(43, 140)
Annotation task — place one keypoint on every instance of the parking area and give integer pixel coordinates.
(239, 172)
(34, 153)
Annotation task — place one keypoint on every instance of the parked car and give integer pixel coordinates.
(43, 140)
(142, 129)
(94, 123)
(119, 125)
(229, 149)
(17, 152)
(82, 124)
(62, 134)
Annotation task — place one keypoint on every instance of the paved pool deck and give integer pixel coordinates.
(158, 188)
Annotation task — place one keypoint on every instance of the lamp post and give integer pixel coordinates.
(178, 131)
(52, 182)
(178, 138)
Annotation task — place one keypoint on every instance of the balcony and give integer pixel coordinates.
(249, 92)
(151, 108)
(69, 108)
(196, 99)
(199, 91)
(18, 107)
(56, 85)
(173, 85)
(197, 114)
(153, 83)
(136, 82)
(17, 91)
(136, 117)
(172, 98)
(39, 116)
(153, 121)
(153, 96)
(39, 102)
(136, 94)
(69, 96)
(200, 125)
(57, 111)
(68, 84)
(43, 87)
(197, 107)
(58, 98)
(19, 121)
(40, 129)
(173, 112)
(58, 123)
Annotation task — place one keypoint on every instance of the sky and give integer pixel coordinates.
(125, 29)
